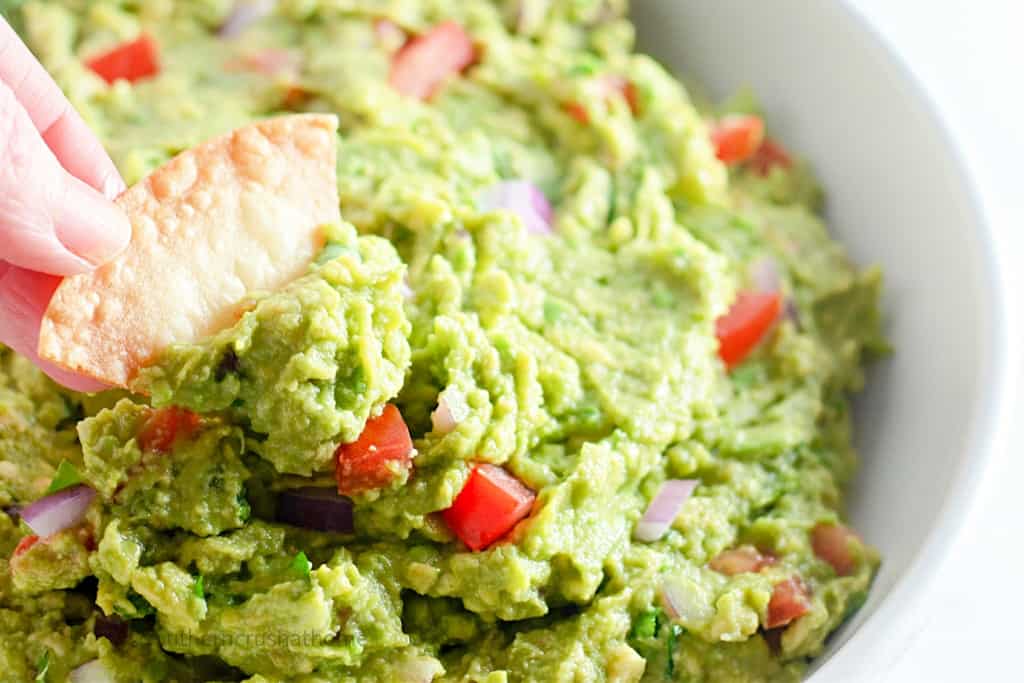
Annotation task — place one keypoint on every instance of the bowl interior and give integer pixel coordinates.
(896, 197)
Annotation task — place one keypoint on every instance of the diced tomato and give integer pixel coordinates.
(488, 506)
(769, 155)
(577, 111)
(423, 64)
(165, 426)
(736, 137)
(791, 599)
(832, 543)
(382, 452)
(743, 327)
(745, 558)
(131, 61)
(611, 85)
(24, 544)
(295, 98)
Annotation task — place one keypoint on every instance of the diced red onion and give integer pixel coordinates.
(524, 199)
(321, 509)
(663, 509)
(441, 419)
(389, 34)
(58, 511)
(791, 312)
(91, 672)
(244, 14)
(764, 274)
(683, 601)
(451, 410)
(419, 670)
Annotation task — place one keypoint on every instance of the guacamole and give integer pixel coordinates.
(506, 392)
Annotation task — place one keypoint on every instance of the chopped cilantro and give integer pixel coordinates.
(673, 644)
(42, 666)
(301, 565)
(646, 624)
(65, 477)
(197, 587)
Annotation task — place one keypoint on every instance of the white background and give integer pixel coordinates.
(970, 58)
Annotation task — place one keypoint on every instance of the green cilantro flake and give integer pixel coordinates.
(673, 644)
(197, 587)
(646, 624)
(42, 666)
(301, 564)
(66, 477)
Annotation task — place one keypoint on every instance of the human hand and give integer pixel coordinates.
(56, 213)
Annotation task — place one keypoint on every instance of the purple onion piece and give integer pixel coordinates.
(244, 14)
(321, 509)
(765, 275)
(525, 200)
(91, 672)
(791, 312)
(684, 602)
(112, 627)
(663, 509)
(442, 421)
(58, 511)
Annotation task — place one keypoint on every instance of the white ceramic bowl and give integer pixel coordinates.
(897, 196)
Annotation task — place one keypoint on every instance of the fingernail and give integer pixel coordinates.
(113, 185)
(91, 226)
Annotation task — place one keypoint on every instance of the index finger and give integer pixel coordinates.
(65, 133)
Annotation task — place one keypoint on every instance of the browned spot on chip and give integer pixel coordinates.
(238, 214)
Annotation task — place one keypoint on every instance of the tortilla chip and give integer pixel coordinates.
(238, 214)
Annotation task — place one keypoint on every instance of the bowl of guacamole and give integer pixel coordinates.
(567, 395)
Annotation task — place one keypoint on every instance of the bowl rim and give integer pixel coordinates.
(991, 398)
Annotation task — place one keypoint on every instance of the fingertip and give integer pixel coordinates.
(85, 385)
(24, 296)
(91, 226)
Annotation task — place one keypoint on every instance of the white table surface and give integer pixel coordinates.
(970, 57)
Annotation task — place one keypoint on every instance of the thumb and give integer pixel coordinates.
(50, 221)
(24, 296)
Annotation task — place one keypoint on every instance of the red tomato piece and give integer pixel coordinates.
(131, 61)
(745, 558)
(577, 111)
(769, 155)
(165, 426)
(423, 64)
(488, 506)
(743, 327)
(736, 137)
(791, 599)
(382, 452)
(832, 543)
(24, 544)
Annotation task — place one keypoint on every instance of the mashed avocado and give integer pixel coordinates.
(582, 360)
